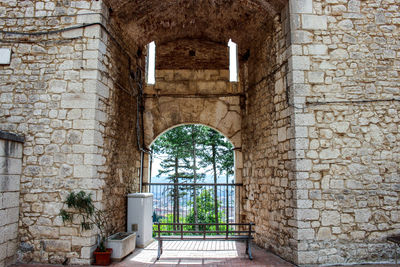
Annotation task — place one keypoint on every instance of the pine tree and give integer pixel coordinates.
(218, 153)
(187, 150)
(179, 146)
(175, 166)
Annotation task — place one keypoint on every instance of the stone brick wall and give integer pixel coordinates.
(117, 112)
(316, 114)
(10, 174)
(192, 54)
(353, 186)
(62, 91)
(267, 142)
(194, 96)
(345, 59)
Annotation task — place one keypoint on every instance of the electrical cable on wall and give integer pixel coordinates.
(56, 16)
(193, 95)
(360, 101)
(137, 77)
(81, 26)
(53, 31)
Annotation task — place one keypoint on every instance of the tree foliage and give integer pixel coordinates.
(217, 151)
(205, 207)
(189, 152)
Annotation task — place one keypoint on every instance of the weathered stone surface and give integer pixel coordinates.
(351, 146)
(324, 233)
(267, 134)
(317, 49)
(330, 218)
(308, 214)
(306, 234)
(329, 153)
(314, 117)
(57, 245)
(314, 22)
(218, 113)
(362, 215)
(300, 62)
(10, 175)
(63, 78)
(301, 6)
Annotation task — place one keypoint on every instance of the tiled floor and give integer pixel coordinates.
(196, 253)
(202, 253)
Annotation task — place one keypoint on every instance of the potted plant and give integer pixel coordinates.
(81, 205)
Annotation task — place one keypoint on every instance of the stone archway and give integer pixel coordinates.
(80, 120)
(232, 188)
(222, 114)
(193, 104)
(314, 111)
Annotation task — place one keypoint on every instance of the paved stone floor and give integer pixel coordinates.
(208, 253)
(203, 253)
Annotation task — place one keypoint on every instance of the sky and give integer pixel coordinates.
(156, 167)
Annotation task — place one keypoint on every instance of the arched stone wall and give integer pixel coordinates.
(197, 99)
(238, 157)
(319, 136)
(222, 114)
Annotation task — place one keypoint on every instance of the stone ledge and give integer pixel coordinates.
(12, 137)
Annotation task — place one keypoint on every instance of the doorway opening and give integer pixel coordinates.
(192, 177)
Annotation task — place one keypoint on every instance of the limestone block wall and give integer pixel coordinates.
(60, 92)
(116, 114)
(184, 96)
(193, 96)
(268, 148)
(316, 114)
(345, 60)
(11, 146)
(192, 54)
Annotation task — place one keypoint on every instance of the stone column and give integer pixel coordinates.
(10, 175)
(303, 22)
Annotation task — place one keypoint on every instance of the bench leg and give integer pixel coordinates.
(248, 249)
(159, 249)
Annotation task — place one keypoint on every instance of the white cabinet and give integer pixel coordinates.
(140, 217)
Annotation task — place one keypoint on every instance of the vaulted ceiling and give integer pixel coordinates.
(212, 20)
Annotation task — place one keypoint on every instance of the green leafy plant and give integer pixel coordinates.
(81, 205)
(205, 206)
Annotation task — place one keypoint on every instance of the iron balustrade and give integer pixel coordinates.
(174, 203)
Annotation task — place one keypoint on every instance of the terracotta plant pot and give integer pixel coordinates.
(102, 258)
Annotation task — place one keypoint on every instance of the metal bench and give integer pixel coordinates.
(229, 233)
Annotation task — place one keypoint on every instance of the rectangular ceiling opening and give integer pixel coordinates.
(151, 63)
(233, 62)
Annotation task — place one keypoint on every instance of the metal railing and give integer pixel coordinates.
(175, 202)
(226, 230)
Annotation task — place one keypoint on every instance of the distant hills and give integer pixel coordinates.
(209, 178)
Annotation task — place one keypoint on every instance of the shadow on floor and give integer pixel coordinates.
(206, 253)
(202, 253)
